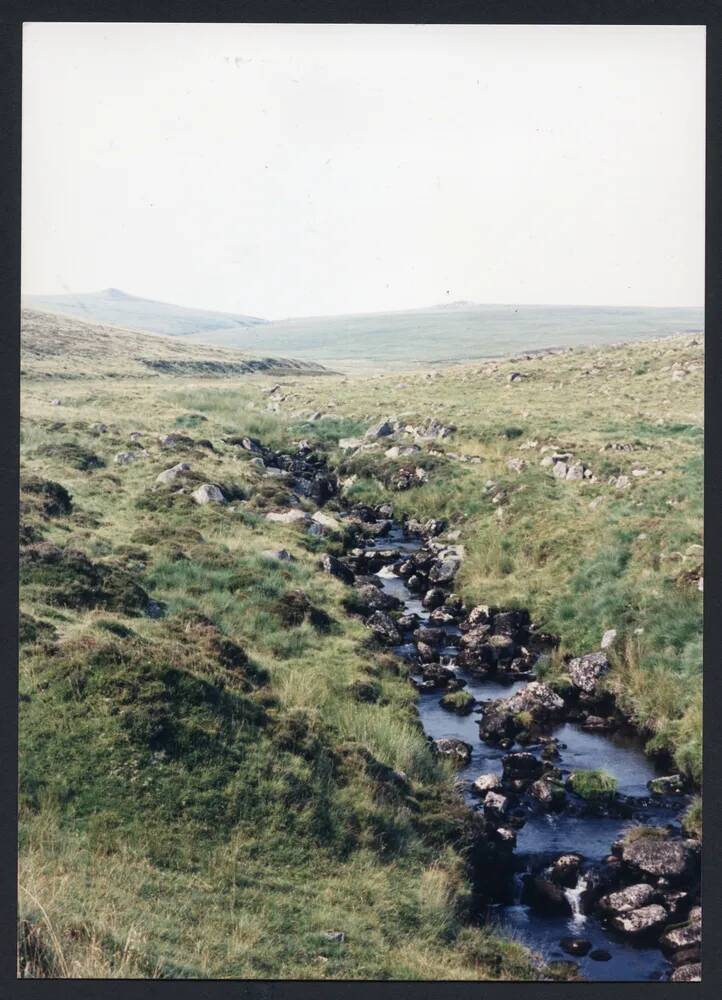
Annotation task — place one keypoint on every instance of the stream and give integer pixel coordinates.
(547, 835)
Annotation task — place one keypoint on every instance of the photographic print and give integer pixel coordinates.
(361, 502)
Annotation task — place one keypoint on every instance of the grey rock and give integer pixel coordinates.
(293, 516)
(171, 475)
(641, 921)
(626, 900)
(691, 973)
(585, 672)
(208, 493)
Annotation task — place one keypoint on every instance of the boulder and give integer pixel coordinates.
(125, 457)
(495, 804)
(521, 766)
(585, 672)
(374, 599)
(486, 783)
(282, 555)
(625, 900)
(384, 628)
(444, 571)
(560, 470)
(670, 784)
(171, 475)
(334, 567)
(434, 598)
(384, 428)
(454, 749)
(659, 858)
(691, 973)
(500, 717)
(644, 920)
(565, 870)
(292, 516)
(575, 471)
(326, 521)
(208, 493)
(548, 792)
(684, 938)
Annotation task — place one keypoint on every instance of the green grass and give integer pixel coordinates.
(205, 793)
(593, 785)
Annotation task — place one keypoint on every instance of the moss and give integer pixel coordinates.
(461, 702)
(593, 785)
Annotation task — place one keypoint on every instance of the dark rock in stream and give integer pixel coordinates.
(575, 946)
(384, 628)
(521, 767)
(330, 564)
(501, 717)
(434, 598)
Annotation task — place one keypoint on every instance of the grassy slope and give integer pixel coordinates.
(180, 816)
(184, 814)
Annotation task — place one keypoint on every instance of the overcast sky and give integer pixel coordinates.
(286, 170)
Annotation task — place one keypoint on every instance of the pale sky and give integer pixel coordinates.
(288, 170)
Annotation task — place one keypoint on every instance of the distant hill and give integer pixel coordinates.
(455, 332)
(120, 309)
(55, 346)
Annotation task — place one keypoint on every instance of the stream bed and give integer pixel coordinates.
(545, 836)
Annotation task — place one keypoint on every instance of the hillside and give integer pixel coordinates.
(116, 308)
(223, 772)
(61, 347)
(458, 332)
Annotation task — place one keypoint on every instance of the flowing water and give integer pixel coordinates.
(547, 835)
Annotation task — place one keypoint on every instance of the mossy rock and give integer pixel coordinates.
(593, 786)
(72, 454)
(460, 702)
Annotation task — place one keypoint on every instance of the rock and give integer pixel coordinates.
(125, 457)
(486, 783)
(565, 870)
(657, 857)
(495, 804)
(575, 471)
(586, 671)
(600, 955)
(516, 464)
(334, 567)
(432, 430)
(608, 639)
(521, 766)
(174, 440)
(208, 493)
(622, 482)
(515, 377)
(374, 599)
(547, 895)
(686, 937)
(55, 402)
(350, 443)
(671, 784)
(382, 429)
(282, 555)
(499, 719)
(547, 462)
(691, 973)
(560, 470)
(575, 946)
(292, 516)
(338, 937)
(548, 792)
(326, 521)
(434, 598)
(456, 750)
(642, 921)
(384, 628)
(626, 900)
(99, 428)
(444, 571)
(171, 475)
(506, 836)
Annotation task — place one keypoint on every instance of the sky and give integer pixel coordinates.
(297, 170)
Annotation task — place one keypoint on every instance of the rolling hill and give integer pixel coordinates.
(120, 309)
(55, 346)
(463, 331)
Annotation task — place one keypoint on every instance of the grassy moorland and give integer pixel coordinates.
(203, 793)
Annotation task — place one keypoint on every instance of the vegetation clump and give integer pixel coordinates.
(594, 786)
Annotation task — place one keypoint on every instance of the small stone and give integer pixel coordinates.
(608, 638)
(293, 516)
(125, 458)
(338, 937)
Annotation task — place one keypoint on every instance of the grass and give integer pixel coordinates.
(594, 786)
(205, 792)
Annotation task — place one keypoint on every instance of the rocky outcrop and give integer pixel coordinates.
(585, 672)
